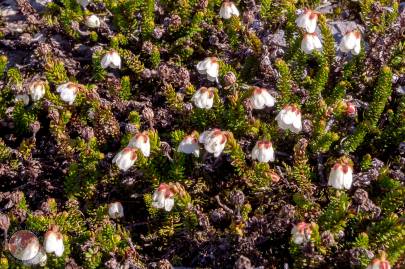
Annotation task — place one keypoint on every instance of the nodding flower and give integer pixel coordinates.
(263, 151)
(310, 42)
(214, 141)
(379, 263)
(53, 241)
(189, 145)
(24, 98)
(111, 59)
(301, 233)
(37, 90)
(93, 21)
(83, 3)
(261, 98)
(289, 118)
(115, 210)
(351, 110)
(228, 9)
(163, 197)
(210, 67)
(351, 42)
(141, 141)
(68, 91)
(307, 20)
(125, 158)
(341, 174)
(204, 97)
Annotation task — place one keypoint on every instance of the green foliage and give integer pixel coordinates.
(328, 46)
(3, 65)
(266, 9)
(125, 92)
(83, 174)
(55, 72)
(23, 117)
(5, 152)
(148, 23)
(334, 216)
(131, 61)
(98, 72)
(173, 99)
(381, 93)
(284, 83)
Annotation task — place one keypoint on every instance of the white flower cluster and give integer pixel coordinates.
(126, 158)
(351, 41)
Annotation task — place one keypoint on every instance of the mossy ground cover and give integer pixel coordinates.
(230, 211)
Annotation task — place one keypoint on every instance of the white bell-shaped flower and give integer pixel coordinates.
(83, 3)
(263, 151)
(341, 175)
(210, 67)
(228, 9)
(214, 141)
(111, 59)
(301, 233)
(115, 210)
(24, 98)
(351, 42)
(204, 97)
(53, 242)
(125, 158)
(289, 118)
(37, 90)
(68, 92)
(261, 98)
(189, 145)
(310, 42)
(163, 197)
(307, 20)
(141, 141)
(93, 21)
(381, 263)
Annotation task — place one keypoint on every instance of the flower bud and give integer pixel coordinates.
(301, 233)
(229, 79)
(380, 263)
(4, 222)
(351, 110)
(24, 98)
